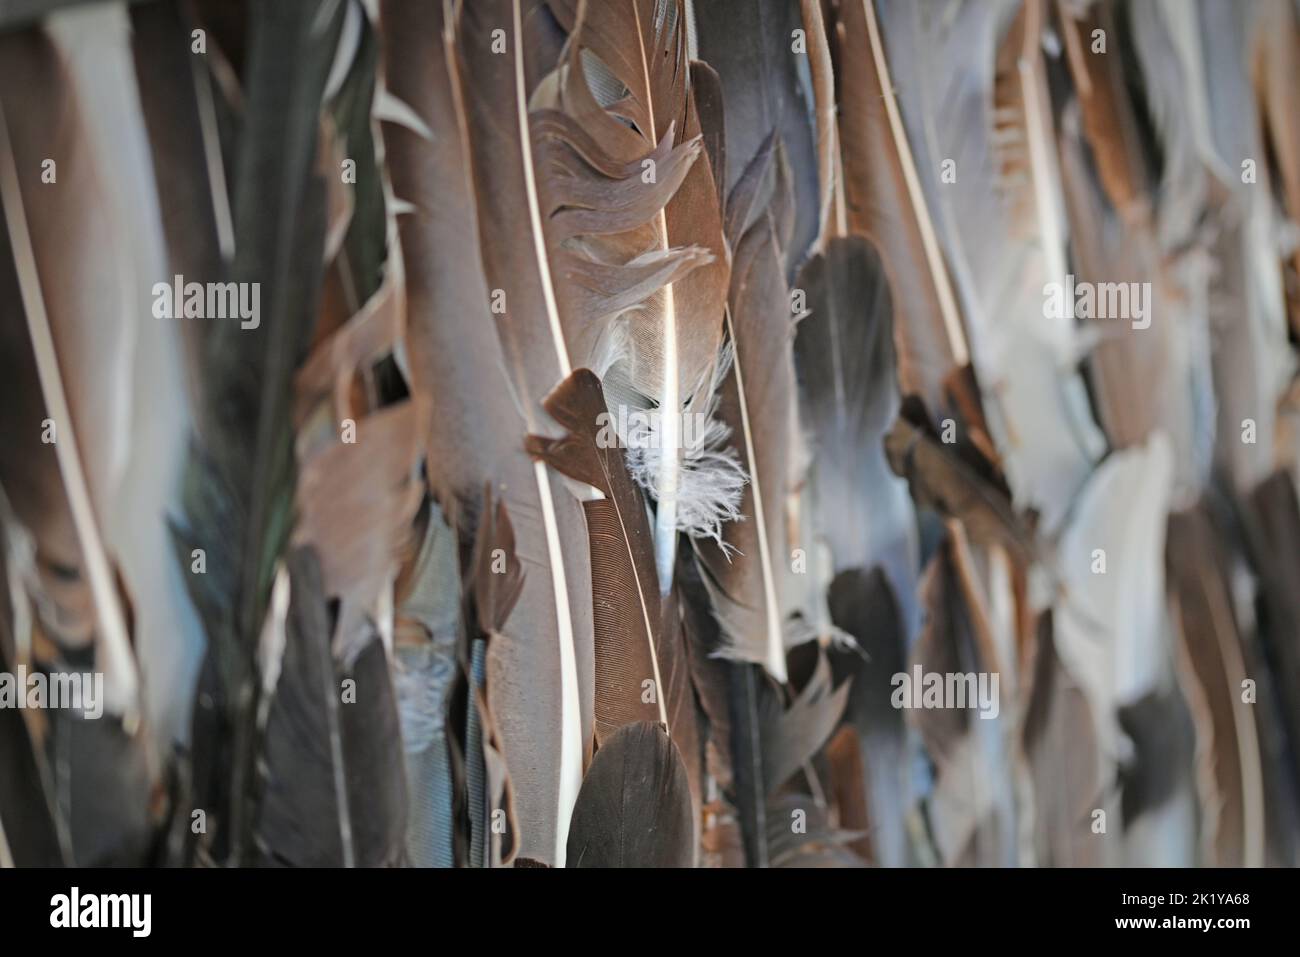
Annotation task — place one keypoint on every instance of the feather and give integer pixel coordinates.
(356, 501)
(823, 85)
(455, 359)
(35, 837)
(91, 418)
(175, 94)
(1276, 46)
(238, 494)
(490, 592)
(772, 740)
(971, 811)
(792, 735)
(957, 483)
(37, 834)
(766, 90)
(844, 353)
(1141, 374)
(151, 441)
(1111, 630)
(673, 339)
(706, 87)
(746, 571)
(849, 784)
(1064, 760)
(1271, 516)
(884, 200)
(1109, 122)
(334, 789)
(848, 396)
(1229, 764)
(180, 101)
(427, 643)
(452, 348)
(457, 356)
(864, 606)
(639, 395)
(985, 119)
(641, 668)
(1158, 800)
(821, 845)
(535, 358)
(1111, 633)
(1166, 47)
(357, 498)
(634, 809)
(1250, 364)
(720, 840)
(80, 621)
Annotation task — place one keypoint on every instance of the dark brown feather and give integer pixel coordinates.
(634, 809)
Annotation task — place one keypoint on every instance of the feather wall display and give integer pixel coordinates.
(650, 433)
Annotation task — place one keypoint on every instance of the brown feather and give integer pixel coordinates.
(884, 201)
(638, 638)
